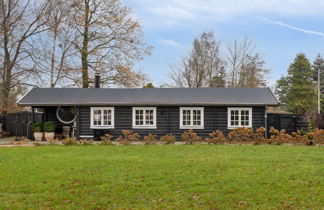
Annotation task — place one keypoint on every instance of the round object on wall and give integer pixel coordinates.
(66, 114)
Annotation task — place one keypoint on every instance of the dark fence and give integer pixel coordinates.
(19, 123)
(3, 122)
(288, 122)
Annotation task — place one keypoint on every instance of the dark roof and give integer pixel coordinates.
(148, 96)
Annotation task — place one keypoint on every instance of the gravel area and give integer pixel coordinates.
(6, 140)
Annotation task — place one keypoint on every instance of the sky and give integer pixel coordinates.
(279, 28)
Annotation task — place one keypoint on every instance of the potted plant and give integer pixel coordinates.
(38, 131)
(49, 128)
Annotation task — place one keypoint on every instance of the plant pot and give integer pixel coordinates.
(49, 136)
(38, 136)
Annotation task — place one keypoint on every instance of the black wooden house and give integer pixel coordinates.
(97, 111)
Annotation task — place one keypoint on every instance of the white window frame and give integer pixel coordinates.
(112, 126)
(191, 126)
(144, 126)
(229, 109)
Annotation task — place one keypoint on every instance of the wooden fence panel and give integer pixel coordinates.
(289, 122)
(17, 123)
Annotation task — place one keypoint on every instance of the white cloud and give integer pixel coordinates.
(177, 11)
(170, 42)
(306, 31)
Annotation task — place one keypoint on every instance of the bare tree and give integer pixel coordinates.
(109, 41)
(53, 51)
(20, 20)
(202, 65)
(245, 67)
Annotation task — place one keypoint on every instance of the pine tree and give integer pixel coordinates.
(149, 85)
(219, 80)
(318, 65)
(297, 89)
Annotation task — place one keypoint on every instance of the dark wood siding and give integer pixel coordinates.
(50, 115)
(168, 121)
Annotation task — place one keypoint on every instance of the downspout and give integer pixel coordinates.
(78, 125)
(266, 122)
(33, 120)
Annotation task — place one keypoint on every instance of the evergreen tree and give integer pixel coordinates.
(296, 90)
(318, 65)
(149, 85)
(282, 89)
(219, 80)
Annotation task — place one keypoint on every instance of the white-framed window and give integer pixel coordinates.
(239, 117)
(191, 117)
(102, 117)
(144, 117)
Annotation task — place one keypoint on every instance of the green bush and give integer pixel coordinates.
(49, 126)
(38, 126)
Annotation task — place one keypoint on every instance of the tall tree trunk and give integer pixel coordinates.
(53, 59)
(7, 68)
(84, 50)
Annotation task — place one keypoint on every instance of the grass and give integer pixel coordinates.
(165, 176)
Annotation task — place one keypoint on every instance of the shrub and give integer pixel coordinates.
(241, 135)
(279, 137)
(69, 141)
(259, 133)
(316, 136)
(259, 136)
(106, 139)
(85, 142)
(38, 126)
(190, 137)
(122, 141)
(49, 126)
(299, 138)
(130, 135)
(168, 138)
(127, 137)
(216, 137)
(53, 142)
(314, 120)
(150, 139)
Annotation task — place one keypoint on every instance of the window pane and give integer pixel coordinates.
(234, 118)
(149, 117)
(139, 116)
(245, 117)
(196, 117)
(97, 117)
(186, 116)
(107, 117)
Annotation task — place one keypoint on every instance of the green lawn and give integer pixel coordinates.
(164, 176)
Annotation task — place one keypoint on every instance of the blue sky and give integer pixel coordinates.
(280, 29)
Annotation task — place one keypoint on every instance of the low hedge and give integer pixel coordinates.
(235, 136)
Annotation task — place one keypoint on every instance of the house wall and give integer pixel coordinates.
(215, 118)
(50, 115)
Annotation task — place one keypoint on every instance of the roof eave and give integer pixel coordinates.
(150, 104)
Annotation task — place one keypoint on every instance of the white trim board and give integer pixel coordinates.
(202, 119)
(112, 126)
(134, 126)
(229, 109)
